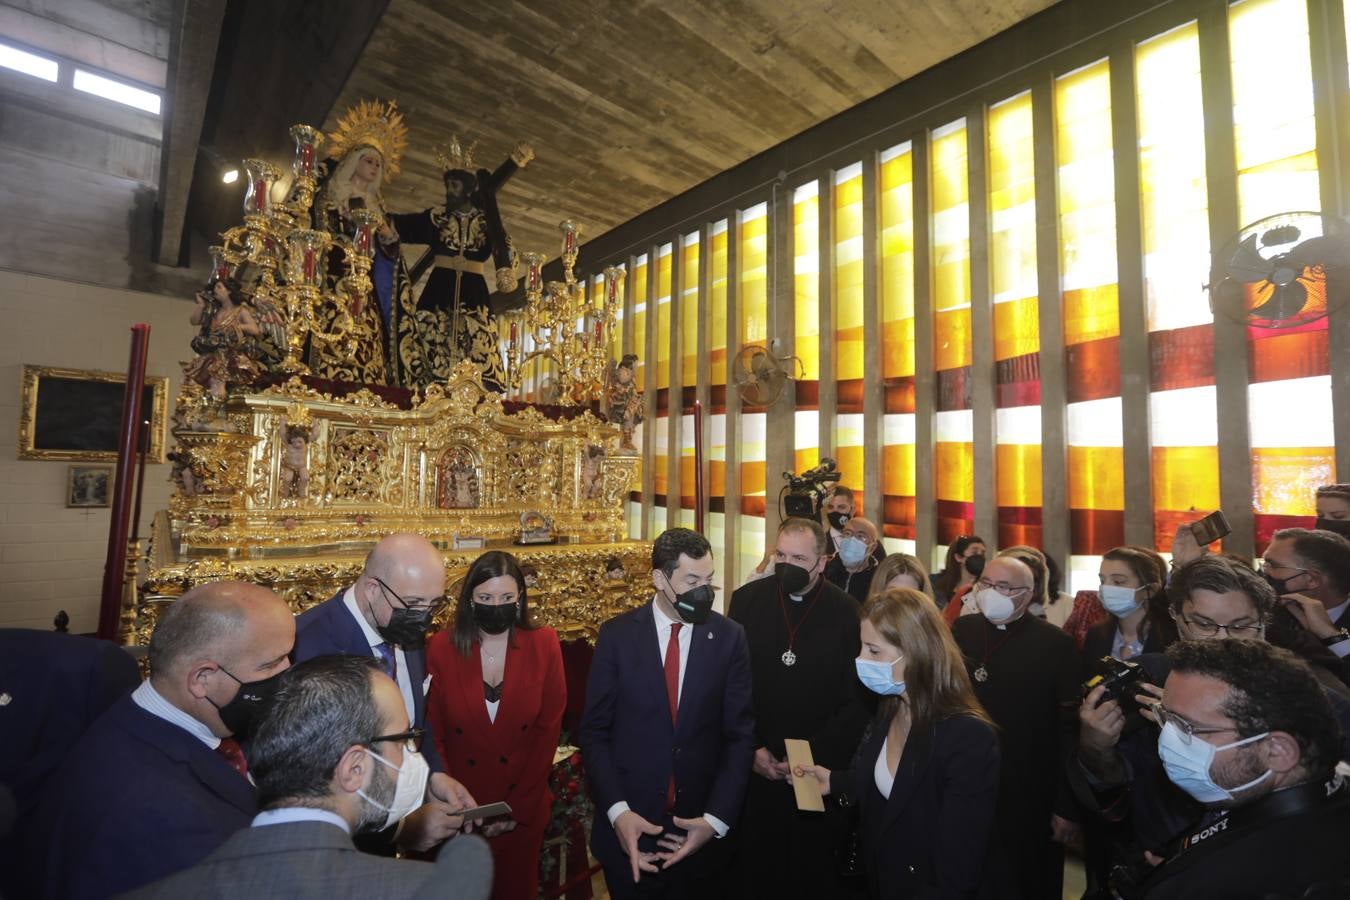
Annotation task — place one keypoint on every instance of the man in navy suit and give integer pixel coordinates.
(668, 734)
(159, 781)
(53, 686)
(385, 614)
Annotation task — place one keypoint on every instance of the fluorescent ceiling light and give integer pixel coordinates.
(116, 91)
(230, 176)
(28, 63)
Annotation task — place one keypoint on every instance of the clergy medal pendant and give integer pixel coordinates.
(981, 674)
(789, 658)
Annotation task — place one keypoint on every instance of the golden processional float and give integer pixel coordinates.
(288, 481)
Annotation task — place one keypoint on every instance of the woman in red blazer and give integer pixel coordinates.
(495, 708)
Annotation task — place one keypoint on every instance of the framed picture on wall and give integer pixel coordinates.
(74, 414)
(89, 487)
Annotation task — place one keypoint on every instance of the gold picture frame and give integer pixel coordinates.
(74, 414)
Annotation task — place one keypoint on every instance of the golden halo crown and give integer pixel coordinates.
(453, 156)
(371, 123)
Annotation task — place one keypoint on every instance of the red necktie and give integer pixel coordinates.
(234, 755)
(673, 694)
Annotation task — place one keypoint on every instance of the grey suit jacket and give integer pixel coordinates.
(300, 860)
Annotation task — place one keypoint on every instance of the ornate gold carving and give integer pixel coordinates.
(31, 378)
(356, 468)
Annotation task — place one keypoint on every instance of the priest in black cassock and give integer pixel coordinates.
(803, 637)
(1025, 673)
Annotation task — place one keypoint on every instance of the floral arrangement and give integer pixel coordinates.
(566, 836)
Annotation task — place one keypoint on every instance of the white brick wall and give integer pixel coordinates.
(51, 558)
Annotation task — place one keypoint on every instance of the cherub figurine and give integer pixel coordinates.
(592, 476)
(294, 471)
(624, 399)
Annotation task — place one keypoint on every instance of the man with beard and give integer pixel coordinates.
(803, 636)
(334, 756)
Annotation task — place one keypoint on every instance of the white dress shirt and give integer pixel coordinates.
(287, 814)
(374, 639)
(686, 638)
(153, 702)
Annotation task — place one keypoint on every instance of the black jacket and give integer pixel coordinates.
(931, 838)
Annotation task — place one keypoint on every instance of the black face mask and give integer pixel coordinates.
(695, 604)
(1281, 585)
(241, 713)
(792, 579)
(494, 618)
(407, 627)
(838, 520)
(974, 564)
(1336, 526)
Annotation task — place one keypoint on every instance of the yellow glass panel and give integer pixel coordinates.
(1018, 468)
(1091, 314)
(1186, 478)
(1286, 478)
(951, 219)
(1173, 194)
(638, 285)
(689, 313)
(1095, 477)
(1012, 211)
(1017, 330)
(1086, 181)
(616, 349)
(850, 460)
(663, 271)
(753, 261)
(1273, 120)
(806, 278)
(951, 335)
(955, 466)
(897, 265)
(717, 337)
(806, 452)
(848, 278)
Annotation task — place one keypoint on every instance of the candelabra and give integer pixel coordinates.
(563, 326)
(288, 260)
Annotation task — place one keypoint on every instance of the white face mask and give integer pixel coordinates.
(1188, 765)
(995, 607)
(409, 790)
(1119, 601)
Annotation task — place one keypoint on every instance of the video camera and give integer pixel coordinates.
(804, 493)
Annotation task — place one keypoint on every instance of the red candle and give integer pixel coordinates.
(599, 332)
(260, 195)
(363, 240)
(569, 240)
(311, 265)
(306, 159)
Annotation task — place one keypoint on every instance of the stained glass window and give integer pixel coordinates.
(717, 364)
(660, 473)
(897, 343)
(689, 315)
(753, 309)
(848, 325)
(806, 295)
(953, 453)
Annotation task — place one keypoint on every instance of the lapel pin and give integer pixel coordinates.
(5, 697)
(710, 635)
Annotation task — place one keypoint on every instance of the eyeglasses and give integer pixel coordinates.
(1163, 715)
(434, 605)
(410, 739)
(1267, 565)
(1207, 628)
(1007, 590)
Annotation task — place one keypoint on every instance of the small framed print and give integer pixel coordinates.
(89, 487)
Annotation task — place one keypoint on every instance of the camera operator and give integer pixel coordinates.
(1248, 733)
(1115, 770)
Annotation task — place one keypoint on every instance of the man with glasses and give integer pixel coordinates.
(1310, 572)
(1247, 732)
(333, 757)
(855, 559)
(385, 615)
(1025, 674)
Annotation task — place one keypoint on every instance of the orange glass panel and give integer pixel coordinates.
(1286, 478)
(952, 341)
(1017, 328)
(897, 468)
(717, 299)
(848, 274)
(806, 277)
(1185, 481)
(637, 283)
(955, 466)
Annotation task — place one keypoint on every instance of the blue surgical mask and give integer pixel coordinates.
(852, 551)
(876, 677)
(1188, 765)
(1119, 601)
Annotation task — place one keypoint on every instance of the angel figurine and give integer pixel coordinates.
(227, 342)
(624, 400)
(294, 470)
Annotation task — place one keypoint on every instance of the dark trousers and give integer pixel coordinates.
(782, 852)
(698, 877)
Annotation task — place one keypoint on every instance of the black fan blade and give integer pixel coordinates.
(1247, 265)
(1285, 303)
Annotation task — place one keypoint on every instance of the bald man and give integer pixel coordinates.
(386, 614)
(855, 560)
(159, 781)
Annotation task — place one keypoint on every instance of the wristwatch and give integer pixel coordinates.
(1342, 635)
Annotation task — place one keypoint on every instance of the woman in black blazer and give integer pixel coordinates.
(925, 777)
